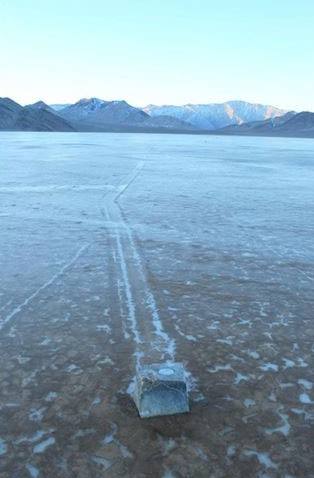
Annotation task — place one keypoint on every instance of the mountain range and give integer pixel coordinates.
(99, 115)
(94, 114)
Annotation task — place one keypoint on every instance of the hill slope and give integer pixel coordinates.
(14, 117)
(9, 112)
(291, 124)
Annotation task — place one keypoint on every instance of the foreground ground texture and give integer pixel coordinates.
(126, 249)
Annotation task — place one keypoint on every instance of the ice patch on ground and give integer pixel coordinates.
(110, 438)
(231, 449)
(84, 433)
(269, 366)
(262, 457)
(37, 414)
(46, 341)
(301, 411)
(102, 462)
(248, 402)
(288, 363)
(41, 447)
(3, 447)
(191, 338)
(214, 325)
(272, 397)
(227, 340)
(72, 368)
(33, 471)
(105, 328)
(302, 363)
(284, 429)
(240, 377)
(37, 436)
(96, 401)
(168, 474)
(305, 383)
(304, 398)
(50, 396)
(218, 368)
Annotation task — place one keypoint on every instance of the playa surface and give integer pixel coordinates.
(121, 249)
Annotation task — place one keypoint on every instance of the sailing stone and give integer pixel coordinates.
(161, 389)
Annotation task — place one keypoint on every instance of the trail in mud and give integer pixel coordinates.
(137, 307)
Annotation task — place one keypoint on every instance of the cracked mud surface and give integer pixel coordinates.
(119, 249)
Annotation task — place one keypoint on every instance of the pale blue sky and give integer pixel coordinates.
(158, 51)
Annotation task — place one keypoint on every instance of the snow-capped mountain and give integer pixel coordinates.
(216, 115)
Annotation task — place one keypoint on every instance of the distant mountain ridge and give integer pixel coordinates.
(216, 115)
(291, 124)
(92, 115)
(97, 115)
(96, 112)
(102, 115)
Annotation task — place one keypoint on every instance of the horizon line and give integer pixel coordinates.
(161, 104)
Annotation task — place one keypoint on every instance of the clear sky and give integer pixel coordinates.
(158, 51)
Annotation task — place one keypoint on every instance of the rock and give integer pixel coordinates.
(161, 390)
